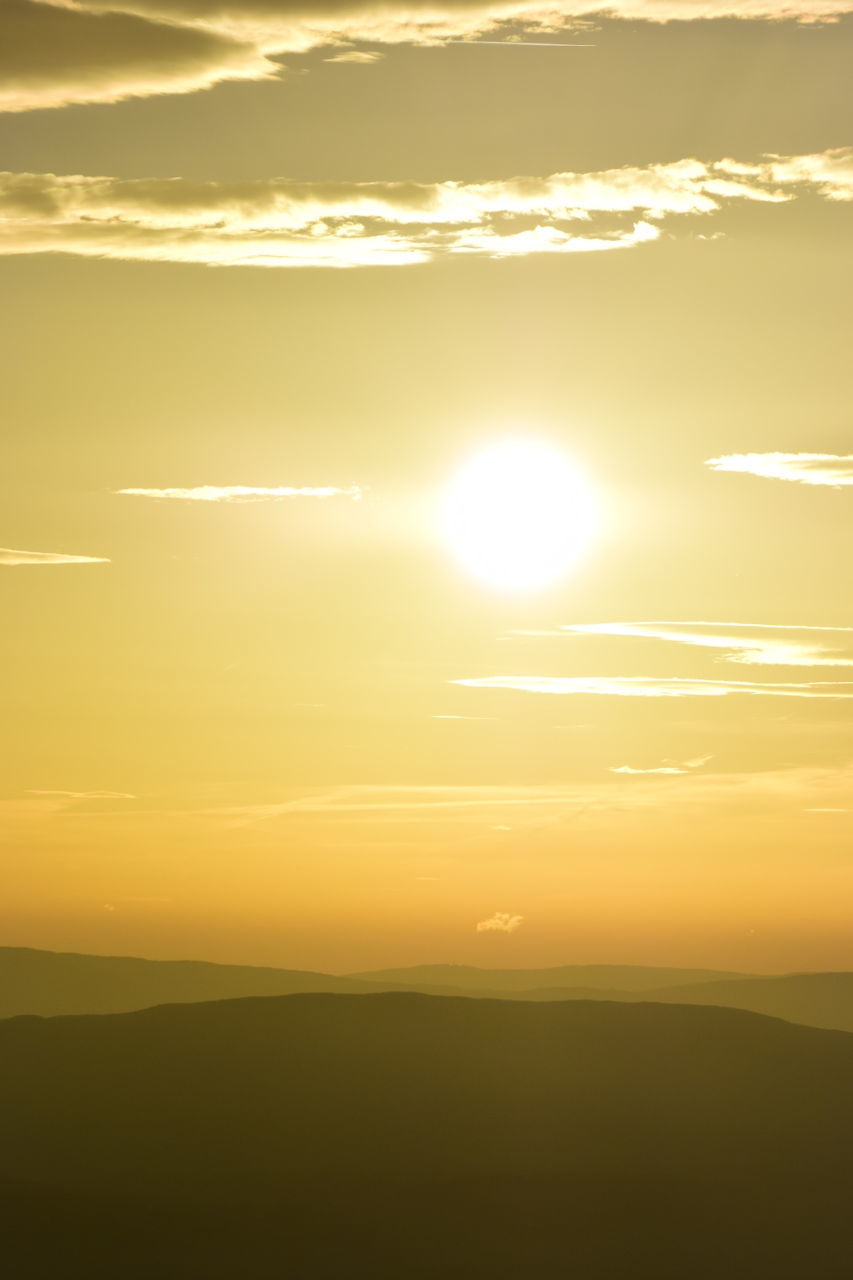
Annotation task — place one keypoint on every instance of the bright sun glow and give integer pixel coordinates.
(518, 515)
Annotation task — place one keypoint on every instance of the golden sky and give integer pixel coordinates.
(281, 281)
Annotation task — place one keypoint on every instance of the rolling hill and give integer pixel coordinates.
(814, 999)
(588, 976)
(329, 1135)
(51, 982)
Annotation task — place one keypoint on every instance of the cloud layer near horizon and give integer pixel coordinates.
(280, 223)
(56, 52)
(830, 470)
(10, 557)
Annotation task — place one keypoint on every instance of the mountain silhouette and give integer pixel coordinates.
(51, 982)
(589, 976)
(386, 1135)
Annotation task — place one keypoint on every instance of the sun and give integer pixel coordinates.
(518, 515)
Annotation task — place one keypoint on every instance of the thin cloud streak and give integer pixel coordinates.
(626, 768)
(360, 57)
(10, 557)
(527, 44)
(654, 687)
(280, 223)
(828, 470)
(745, 643)
(86, 795)
(243, 493)
(668, 767)
(534, 805)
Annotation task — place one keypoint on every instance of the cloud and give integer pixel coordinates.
(654, 687)
(500, 922)
(242, 493)
(668, 767)
(52, 55)
(534, 807)
(362, 57)
(85, 795)
(65, 51)
(626, 768)
(276, 222)
(7, 556)
(491, 719)
(344, 802)
(831, 470)
(747, 643)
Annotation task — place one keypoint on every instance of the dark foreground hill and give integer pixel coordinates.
(813, 999)
(325, 1136)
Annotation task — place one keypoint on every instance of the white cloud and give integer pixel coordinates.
(243, 493)
(491, 719)
(54, 52)
(655, 687)
(627, 768)
(500, 922)
(831, 470)
(746, 643)
(668, 767)
(8, 556)
(361, 57)
(280, 223)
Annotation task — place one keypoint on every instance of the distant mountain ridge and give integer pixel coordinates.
(51, 983)
(589, 976)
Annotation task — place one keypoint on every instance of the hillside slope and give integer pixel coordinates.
(49, 983)
(591, 976)
(813, 999)
(403, 1134)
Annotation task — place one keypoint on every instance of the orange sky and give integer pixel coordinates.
(260, 706)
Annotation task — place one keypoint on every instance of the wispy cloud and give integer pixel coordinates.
(86, 795)
(64, 51)
(747, 643)
(366, 799)
(8, 556)
(361, 57)
(668, 767)
(830, 470)
(437, 812)
(280, 223)
(491, 719)
(243, 493)
(534, 806)
(627, 768)
(500, 922)
(655, 687)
